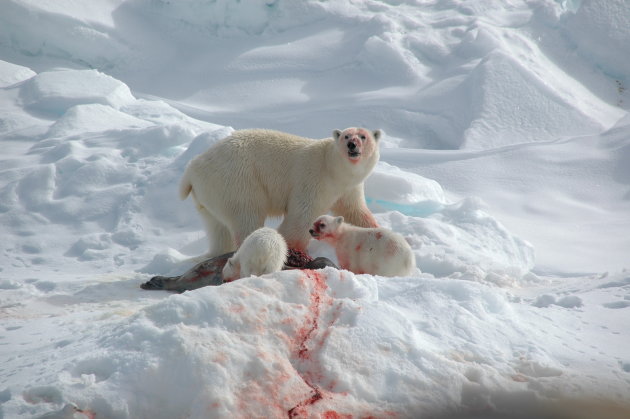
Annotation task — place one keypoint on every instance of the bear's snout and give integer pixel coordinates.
(314, 233)
(354, 148)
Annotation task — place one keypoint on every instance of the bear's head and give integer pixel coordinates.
(326, 228)
(358, 144)
(231, 270)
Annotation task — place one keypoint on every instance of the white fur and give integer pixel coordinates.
(253, 174)
(262, 252)
(375, 251)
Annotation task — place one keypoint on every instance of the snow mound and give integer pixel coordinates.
(459, 238)
(462, 241)
(94, 117)
(55, 92)
(516, 104)
(72, 33)
(389, 188)
(289, 344)
(600, 22)
(91, 165)
(11, 74)
(283, 344)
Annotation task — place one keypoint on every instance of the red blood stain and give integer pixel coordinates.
(331, 414)
(310, 338)
(306, 342)
(368, 219)
(297, 258)
(266, 394)
(237, 308)
(200, 275)
(300, 409)
(318, 292)
(330, 236)
(220, 358)
(344, 259)
(378, 235)
(385, 414)
(358, 248)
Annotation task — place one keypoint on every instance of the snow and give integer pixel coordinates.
(504, 163)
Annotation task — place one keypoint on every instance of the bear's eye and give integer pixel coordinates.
(322, 225)
(363, 137)
(347, 137)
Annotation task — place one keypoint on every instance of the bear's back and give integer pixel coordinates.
(265, 140)
(255, 148)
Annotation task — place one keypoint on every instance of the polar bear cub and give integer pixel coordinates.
(375, 251)
(262, 252)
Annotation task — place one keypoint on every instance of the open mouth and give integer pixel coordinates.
(354, 154)
(314, 233)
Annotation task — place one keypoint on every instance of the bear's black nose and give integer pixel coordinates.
(311, 231)
(352, 146)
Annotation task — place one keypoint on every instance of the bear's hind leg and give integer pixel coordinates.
(219, 235)
(244, 222)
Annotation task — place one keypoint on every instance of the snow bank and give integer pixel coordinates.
(95, 163)
(465, 76)
(315, 343)
(597, 22)
(11, 73)
(56, 91)
(227, 18)
(70, 32)
(270, 346)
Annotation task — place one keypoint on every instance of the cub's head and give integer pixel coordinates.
(326, 227)
(231, 270)
(357, 143)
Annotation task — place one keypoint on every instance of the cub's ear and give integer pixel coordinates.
(339, 219)
(336, 134)
(377, 134)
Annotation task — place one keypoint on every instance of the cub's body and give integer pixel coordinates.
(375, 251)
(262, 252)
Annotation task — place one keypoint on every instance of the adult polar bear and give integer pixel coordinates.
(253, 174)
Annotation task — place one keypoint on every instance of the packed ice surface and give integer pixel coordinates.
(504, 162)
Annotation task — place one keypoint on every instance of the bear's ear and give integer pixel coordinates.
(339, 219)
(377, 134)
(336, 134)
